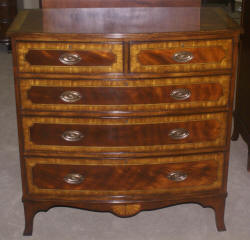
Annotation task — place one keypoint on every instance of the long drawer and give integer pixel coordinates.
(129, 95)
(183, 174)
(181, 56)
(84, 135)
(58, 57)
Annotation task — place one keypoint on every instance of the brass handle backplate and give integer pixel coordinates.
(178, 133)
(70, 58)
(180, 94)
(177, 176)
(72, 136)
(70, 96)
(183, 57)
(73, 178)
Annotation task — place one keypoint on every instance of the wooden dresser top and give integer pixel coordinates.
(123, 22)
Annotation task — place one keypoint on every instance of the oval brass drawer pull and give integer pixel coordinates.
(72, 136)
(70, 96)
(180, 94)
(70, 58)
(74, 178)
(178, 133)
(183, 57)
(177, 176)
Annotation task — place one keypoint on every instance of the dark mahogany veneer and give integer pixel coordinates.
(127, 109)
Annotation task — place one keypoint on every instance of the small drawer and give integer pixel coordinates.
(181, 56)
(49, 57)
(81, 136)
(183, 174)
(128, 96)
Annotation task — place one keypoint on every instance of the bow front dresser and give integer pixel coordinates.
(124, 109)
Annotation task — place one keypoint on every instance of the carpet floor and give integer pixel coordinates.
(182, 222)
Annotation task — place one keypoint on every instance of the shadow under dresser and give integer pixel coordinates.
(125, 109)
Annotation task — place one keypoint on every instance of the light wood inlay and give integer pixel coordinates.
(124, 109)
(213, 163)
(24, 66)
(158, 57)
(217, 133)
(209, 99)
(126, 210)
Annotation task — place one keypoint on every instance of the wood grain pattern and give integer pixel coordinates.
(126, 210)
(136, 177)
(158, 57)
(125, 95)
(117, 3)
(124, 158)
(147, 20)
(215, 201)
(128, 135)
(43, 57)
(124, 23)
(92, 58)
(125, 135)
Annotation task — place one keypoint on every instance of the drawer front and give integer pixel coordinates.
(181, 56)
(125, 135)
(134, 95)
(69, 57)
(182, 174)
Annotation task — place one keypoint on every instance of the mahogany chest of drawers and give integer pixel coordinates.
(121, 111)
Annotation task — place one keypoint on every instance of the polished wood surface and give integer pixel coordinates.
(123, 137)
(127, 96)
(159, 57)
(45, 57)
(154, 177)
(143, 57)
(123, 209)
(124, 21)
(132, 135)
(88, 58)
(123, 179)
(117, 3)
(242, 116)
(164, 56)
(125, 124)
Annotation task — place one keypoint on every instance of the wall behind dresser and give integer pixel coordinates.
(27, 4)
